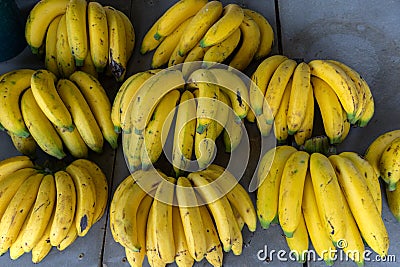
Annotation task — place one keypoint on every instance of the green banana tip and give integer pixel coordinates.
(257, 111)
(201, 128)
(288, 234)
(79, 62)
(34, 50)
(181, 53)
(157, 36)
(100, 69)
(392, 186)
(203, 43)
(291, 132)
(117, 129)
(264, 224)
(329, 262)
(359, 263)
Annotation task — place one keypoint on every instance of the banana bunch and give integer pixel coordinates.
(80, 35)
(198, 219)
(335, 201)
(208, 103)
(207, 31)
(283, 91)
(37, 109)
(40, 210)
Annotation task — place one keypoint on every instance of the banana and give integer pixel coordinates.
(202, 21)
(164, 234)
(46, 96)
(223, 113)
(251, 117)
(164, 51)
(281, 120)
(389, 164)
(64, 210)
(214, 254)
(152, 252)
(25, 145)
(73, 142)
(239, 219)
(98, 35)
(193, 59)
(318, 236)
(207, 100)
(182, 255)
(85, 198)
(269, 176)
(266, 31)
(331, 109)
(81, 114)
(149, 43)
(185, 127)
(369, 175)
(192, 219)
(346, 126)
(260, 80)
(43, 246)
(117, 57)
(130, 34)
(219, 52)
(176, 58)
(135, 258)
(133, 146)
(75, 16)
(12, 85)
(88, 66)
(326, 187)
(101, 184)
(233, 132)
(361, 204)
(40, 127)
(276, 88)
(306, 127)
(341, 84)
(230, 21)
(17, 210)
(13, 164)
(50, 58)
(298, 243)
(65, 59)
(99, 104)
(39, 19)
(40, 216)
(251, 37)
(393, 199)
(298, 97)
(235, 87)
(177, 14)
(375, 149)
(71, 236)
(16, 249)
(369, 109)
(204, 144)
(291, 192)
(156, 131)
(151, 92)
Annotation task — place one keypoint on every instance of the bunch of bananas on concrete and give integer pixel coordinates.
(283, 91)
(384, 156)
(40, 210)
(202, 30)
(208, 103)
(80, 35)
(181, 220)
(38, 109)
(335, 201)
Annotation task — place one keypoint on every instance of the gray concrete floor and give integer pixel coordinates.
(361, 33)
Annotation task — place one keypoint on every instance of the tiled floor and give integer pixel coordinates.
(362, 33)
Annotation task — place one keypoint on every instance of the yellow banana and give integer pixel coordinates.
(16, 249)
(393, 200)
(117, 58)
(65, 59)
(40, 127)
(269, 179)
(298, 243)
(39, 19)
(389, 164)
(204, 144)
(12, 85)
(281, 118)
(266, 31)
(98, 35)
(132, 144)
(88, 66)
(99, 104)
(369, 109)
(149, 43)
(130, 34)
(193, 59)
(182, 255)
(276, 88)
(326, 187)
(25, 145)
(233, 130)
(83, 117)
(176, 58)
(230, 21)
(41, 214)
(291, 192)
(176, 15)
(340, 82)
(251, 37)
(298, 97)
(85, 198)
(152, 251)
(64, 211)
(13, 164)
(50, 58)
(260, 80)
(45, 93)
(75, 16)
(156, 131)
(43, 246)
(184, 132)
(200, 24)
(71, 236)
(306, 127)
(192, 219)
(73, 142)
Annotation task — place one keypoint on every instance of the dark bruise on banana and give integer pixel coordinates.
(117, 69)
